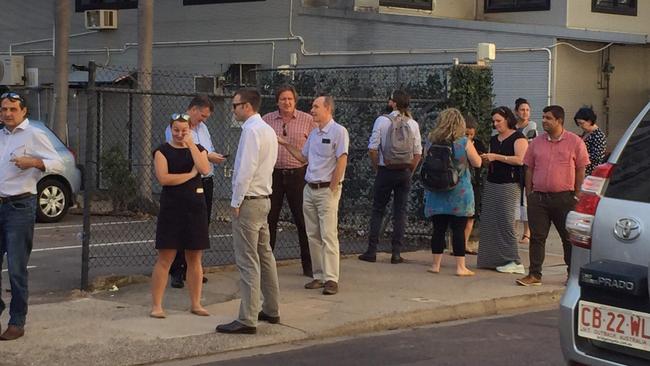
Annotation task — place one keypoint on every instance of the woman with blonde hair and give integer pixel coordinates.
(451, 208)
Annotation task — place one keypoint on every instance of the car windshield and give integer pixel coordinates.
(631, 177)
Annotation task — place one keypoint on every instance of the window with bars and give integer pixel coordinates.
(408, 4)
(499, 6)
(621, 7)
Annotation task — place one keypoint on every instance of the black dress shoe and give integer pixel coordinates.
(395, 259)
(177, 281)
(236, 327)
(262, 316)
(368, 258)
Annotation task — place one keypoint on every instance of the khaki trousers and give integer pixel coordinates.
(255, 261)
(321, 208)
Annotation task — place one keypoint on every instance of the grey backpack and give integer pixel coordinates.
(397, 150)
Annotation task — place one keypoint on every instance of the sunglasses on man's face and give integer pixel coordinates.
(235, 105)
(12, 96)
(180, 117)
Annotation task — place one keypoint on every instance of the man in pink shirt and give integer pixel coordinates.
(556, 162)
(289, 173)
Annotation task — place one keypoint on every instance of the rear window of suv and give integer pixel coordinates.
(630, 179)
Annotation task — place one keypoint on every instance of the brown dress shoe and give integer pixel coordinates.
(12, 332)
(314, 284)
(331, 288)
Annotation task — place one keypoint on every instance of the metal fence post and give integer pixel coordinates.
(89, 182)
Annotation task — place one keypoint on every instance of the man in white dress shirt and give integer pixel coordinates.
(250, 204)
(199, 110)
(25, 153)
(326, 155)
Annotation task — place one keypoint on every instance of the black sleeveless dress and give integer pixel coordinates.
(182, 221)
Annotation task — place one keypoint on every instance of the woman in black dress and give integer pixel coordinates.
(182, 222)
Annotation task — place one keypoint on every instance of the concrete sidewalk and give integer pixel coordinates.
(113, 328)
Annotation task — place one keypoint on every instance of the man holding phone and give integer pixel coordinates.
(199, 110)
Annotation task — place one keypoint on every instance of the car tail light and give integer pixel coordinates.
(74, 154)
(579, 221)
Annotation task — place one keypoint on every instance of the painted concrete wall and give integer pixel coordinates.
(580, 16)
(578, 76)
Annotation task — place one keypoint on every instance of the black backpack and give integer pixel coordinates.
(439, 171)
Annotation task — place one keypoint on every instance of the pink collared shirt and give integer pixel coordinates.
(554, 162)
(297, 130)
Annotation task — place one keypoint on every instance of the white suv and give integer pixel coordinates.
(605, 311)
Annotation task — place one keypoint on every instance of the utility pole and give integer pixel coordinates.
(61, 45)
(143, 130)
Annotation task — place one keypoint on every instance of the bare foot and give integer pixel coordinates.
(464, 273)
(200, 311)
(157, 313)
(433, 270)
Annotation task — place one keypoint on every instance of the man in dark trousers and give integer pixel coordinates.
(289, 173)
(198, 111)
(393, 172)
(555, 168)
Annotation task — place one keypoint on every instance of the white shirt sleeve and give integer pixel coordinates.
(375, 136)
(206, 139)
(417, 143)
(168, 134)
(245, 165)
(44, 150)
(342, 142)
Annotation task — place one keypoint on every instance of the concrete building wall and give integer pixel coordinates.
(580, 82)
(580, 16)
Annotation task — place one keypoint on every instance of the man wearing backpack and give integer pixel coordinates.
(395, 149)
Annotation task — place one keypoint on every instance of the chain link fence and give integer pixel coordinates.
(126, 123)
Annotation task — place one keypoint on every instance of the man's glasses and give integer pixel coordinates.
(284, 129)
(180, 117)
(12, 96)
(235, 105)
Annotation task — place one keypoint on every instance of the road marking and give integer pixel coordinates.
(97, 224)
(28, 267)
(112, 244)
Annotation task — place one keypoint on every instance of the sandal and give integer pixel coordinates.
(524, 239)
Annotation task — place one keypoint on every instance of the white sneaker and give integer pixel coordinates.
(512, 267)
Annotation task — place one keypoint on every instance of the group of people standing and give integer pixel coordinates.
(304, 157)
(282, 153)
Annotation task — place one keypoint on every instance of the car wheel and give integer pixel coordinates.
(53, 200)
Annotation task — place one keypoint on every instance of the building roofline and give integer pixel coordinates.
(485, 26)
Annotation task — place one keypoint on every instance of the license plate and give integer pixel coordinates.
(614, 325)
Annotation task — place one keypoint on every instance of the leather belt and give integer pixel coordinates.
(256, 197)
(15, 198)
(291, 171)
(319, 185)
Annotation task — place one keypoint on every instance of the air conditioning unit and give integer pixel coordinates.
(205, 84)
(101, 19)
(12, 70)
